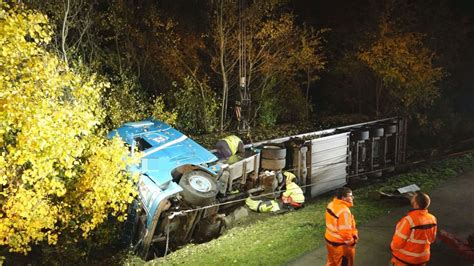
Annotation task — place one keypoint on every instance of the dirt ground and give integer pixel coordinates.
(452, 204)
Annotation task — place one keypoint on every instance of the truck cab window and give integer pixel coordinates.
(142, 144)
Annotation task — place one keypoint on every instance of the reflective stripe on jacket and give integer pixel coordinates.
(413, 237)
(294, 191)
(233, 142)
(262, 205)
(340, 223)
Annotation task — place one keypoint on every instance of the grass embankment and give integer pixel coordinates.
(282, 238)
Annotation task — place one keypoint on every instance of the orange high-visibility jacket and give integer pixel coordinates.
(413, 237)
(340, 223)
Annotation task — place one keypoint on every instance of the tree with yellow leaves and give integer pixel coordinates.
(58, 174)
(403, 67)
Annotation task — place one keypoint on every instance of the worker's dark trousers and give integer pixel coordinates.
(223, 149)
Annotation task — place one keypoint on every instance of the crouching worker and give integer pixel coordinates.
(229, 146)
(262, 205)
(293, 195)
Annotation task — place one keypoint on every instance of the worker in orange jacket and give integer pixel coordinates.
(414, 234)
(341, 233)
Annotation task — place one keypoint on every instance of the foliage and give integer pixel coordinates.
(269, 109)
(404, 67)
(146, 48)
(310, 59)
(75, 36)
(102, 243)
(124, 102)
(196, 106)
(155, 43)
(268, 113)
(351, 85)
(57, 174)
(159, 112)
(223, 27)
(292, 103)
(262, 42)
(279, 50)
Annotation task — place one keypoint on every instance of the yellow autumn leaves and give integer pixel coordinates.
(404, 65)
(58, 174)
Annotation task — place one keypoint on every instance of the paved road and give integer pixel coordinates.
(452, 204)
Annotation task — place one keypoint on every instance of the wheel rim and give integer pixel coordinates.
(200, 183)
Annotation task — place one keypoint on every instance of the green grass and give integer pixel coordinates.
(282, 238)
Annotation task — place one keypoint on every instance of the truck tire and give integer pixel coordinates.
(390, 129)
(361, 135)
(207, 230)
(273, 164)
(273, 152)
(199, 188)
(376, 132)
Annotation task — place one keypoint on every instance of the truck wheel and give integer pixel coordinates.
(207, 230)
(273, 164)
(361, 135)
(199, 188)
(273, 152)
(390, 129)
(376, 132)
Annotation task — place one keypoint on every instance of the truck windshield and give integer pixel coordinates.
(142, 144)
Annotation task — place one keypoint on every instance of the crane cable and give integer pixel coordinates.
(243, 88)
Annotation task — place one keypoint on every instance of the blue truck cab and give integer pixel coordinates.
(175, 174)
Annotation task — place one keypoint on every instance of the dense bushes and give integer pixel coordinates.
(58, 175)
(196, 105)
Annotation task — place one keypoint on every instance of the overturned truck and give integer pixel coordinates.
(186, 193)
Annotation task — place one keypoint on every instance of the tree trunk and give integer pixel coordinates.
(204, 104)
(378, 93)
(64, 33)
(225, 82)
(117, 48)
(308, 81)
